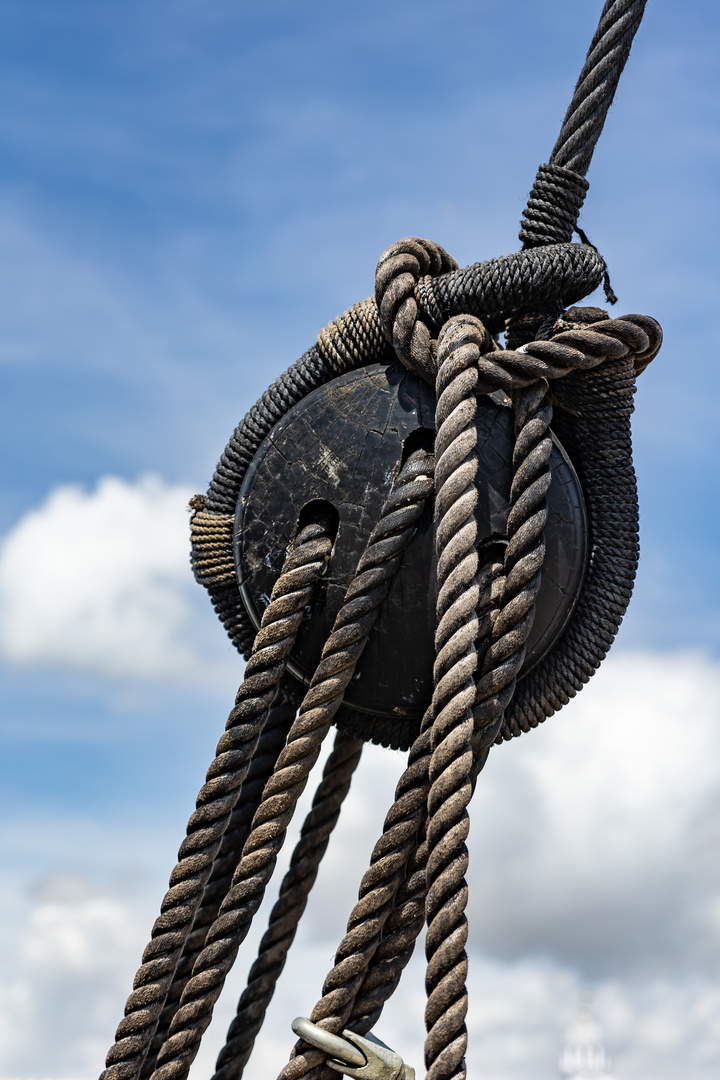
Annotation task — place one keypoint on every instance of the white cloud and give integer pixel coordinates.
(71, 964)
(100, 582)
(601, 828)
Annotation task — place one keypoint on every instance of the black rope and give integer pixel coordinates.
(596, 86)
(559, 190)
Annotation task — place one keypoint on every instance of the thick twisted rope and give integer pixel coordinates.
(324, 696)
(593, 421)
(454, 676)
(303, 568)
(381, 936)
(269, 745)
(418, 289)
(407, 917)
(540, 279)
(467, 714)
(288, 910)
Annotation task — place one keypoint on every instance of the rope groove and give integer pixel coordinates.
(454, 676)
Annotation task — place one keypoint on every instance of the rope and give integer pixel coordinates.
(269, 745)
(288, 910)
(592, 417)
(541, 279)
(558, 193)
(428, 313)
(303, 568)
(342, 650)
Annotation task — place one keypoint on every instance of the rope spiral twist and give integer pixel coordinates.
(454, 677)
(486, 611)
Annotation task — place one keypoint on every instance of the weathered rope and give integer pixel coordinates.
(559, 190)
(585, 339)
(288, 910)
(303, 568)
(269, 745)
(404, 923)
(592, 417)
(597, 83)
(407, 917)
(543, 279)
(468, 711)
(462, 719)
(342, 650)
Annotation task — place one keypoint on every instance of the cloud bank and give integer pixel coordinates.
(99, 582)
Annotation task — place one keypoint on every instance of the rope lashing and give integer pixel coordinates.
(569, 366)
(559, 190)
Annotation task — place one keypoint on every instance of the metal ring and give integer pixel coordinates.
(330, 1044)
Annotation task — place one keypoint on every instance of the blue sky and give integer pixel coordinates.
(189, 191)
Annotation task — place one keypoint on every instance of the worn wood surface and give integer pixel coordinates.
(344, 444)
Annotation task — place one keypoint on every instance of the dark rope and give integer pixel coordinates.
(341, 653)
(375, 950)
(592, 417)
(558, 193)
(547, 278)
(303, 568)
(288, 910)
(597, 83)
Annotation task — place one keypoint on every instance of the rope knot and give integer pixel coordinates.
(398, 272)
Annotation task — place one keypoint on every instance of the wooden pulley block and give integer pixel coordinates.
(338, 452)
